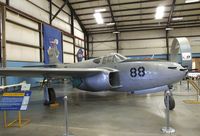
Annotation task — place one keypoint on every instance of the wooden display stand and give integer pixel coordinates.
(19, 122)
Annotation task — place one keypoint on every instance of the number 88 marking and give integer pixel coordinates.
(133, 72)
(140, 72)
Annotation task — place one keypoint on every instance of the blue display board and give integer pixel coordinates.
(15, 101)
(53, 52)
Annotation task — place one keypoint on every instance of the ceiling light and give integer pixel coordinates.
(116, 32)
(110, 24)
(159, 12)
(191, 1)
(169, 29)
(100, 10)
(177, 18)
(98, 18)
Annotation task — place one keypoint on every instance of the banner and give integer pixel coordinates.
(53, 52)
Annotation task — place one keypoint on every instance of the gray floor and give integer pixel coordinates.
(108, 114)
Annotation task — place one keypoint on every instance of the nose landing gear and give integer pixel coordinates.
(171, 100)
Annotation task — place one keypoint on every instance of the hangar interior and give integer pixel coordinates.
(129, 28)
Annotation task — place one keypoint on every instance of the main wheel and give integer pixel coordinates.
(171, 102)
(51, 97)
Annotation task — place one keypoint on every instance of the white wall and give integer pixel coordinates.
(142, 43)
(18, 36)
(68, 49)
(130, 43)
(151, 42)
(39, 9)
(31, 9)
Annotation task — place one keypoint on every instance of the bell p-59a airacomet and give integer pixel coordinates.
(113, 72)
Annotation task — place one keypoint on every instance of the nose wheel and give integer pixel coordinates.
(171, 100)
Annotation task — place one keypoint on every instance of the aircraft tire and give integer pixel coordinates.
(52, 96)
(171, 102)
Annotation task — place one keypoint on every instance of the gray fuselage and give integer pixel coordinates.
(140, 75)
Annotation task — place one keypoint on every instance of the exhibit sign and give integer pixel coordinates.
(53, 52)
(15, 101)
(186, 56)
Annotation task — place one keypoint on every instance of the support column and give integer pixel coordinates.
(88, 55)
(72, 32)
(50, 11)
(117, 42)
(3, 41)
(167, 43)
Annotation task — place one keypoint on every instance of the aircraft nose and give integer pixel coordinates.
(183, 71)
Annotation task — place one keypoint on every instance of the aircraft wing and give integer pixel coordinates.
(53, 72)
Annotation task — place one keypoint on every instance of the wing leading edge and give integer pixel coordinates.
(53, 72)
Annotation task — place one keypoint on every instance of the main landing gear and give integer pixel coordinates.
(171, 100)
(49, 93)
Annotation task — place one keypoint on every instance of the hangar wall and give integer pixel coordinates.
(24, 37)
(143, 44)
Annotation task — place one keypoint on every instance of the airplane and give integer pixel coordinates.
(112, 72)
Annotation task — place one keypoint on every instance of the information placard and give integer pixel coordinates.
(15, 101)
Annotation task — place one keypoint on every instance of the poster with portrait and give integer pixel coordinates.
(80, 55)
(52, 40)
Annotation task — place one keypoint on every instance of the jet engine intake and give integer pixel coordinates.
(100, 82)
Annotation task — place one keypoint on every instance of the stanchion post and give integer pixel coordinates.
(167, 111)
(19, 118)
(66, 117)
(188, 86)
(5, 119)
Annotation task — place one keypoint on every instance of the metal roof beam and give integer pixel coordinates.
(131, 9)
(145, 19)
(80, 2)
(171, 13)
(129, 20)
(77, 18)
(129, 30)
(111, 12)
(117, 4)
(121, 26)
(150, 13)
(127, 15)
(132, 28)
(143, 24)
(127, 9)
(60, 9)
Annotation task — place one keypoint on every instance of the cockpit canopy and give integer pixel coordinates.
(111, 58)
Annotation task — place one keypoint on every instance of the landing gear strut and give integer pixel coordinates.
(49, 93)
(171, 101)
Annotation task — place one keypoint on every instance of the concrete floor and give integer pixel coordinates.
(108, 114)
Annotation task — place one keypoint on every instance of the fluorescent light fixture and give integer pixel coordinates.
(191, 1)
(98, 18)
(116, 32)
(177, 18)
(100, 10)
(159, 12)
(110, 24)
(169, 29)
